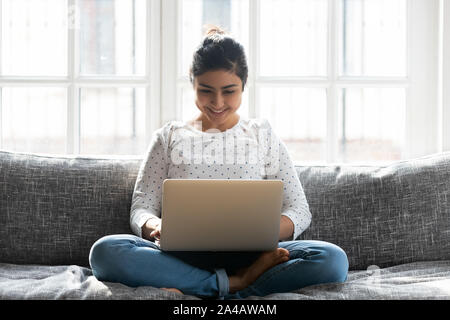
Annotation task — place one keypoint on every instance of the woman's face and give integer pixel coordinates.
(218, 95)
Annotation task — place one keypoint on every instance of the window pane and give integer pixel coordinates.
(373, 38)
(112, 37)
(34, 119)
(231, 15)
(112, 121)
(34, 37)
(371, 124)
(190, 110)
(293, 37)
(298, 117)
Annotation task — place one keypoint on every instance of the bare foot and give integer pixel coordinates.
(172, 290)
(246, 276)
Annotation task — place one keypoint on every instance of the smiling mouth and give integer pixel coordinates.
(217, 113)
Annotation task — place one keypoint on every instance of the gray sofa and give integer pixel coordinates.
(393, 222)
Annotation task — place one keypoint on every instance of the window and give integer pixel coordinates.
(339, 80)
(74, 76)
(372, 45)
(195, 16)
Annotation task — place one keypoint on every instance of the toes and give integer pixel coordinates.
(172, 290)
(283, 255)
(283, 252)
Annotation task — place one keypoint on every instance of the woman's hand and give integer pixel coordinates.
(156, 234)
(151, 230)
(286, 228)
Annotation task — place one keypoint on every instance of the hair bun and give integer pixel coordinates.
(212, 30)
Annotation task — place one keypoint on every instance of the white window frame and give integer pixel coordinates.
(444, 76)
(421, 83)
(422, 95)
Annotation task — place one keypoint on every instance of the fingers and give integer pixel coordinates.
(155, 234)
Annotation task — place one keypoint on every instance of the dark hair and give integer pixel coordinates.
(219, 51)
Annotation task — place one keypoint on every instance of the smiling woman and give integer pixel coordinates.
(218, 96)
(218, 74)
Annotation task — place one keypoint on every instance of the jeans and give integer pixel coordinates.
(134, 261)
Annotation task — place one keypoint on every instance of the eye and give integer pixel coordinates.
(228, 91)
(204, 91)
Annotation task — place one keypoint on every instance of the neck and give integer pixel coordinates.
(229, 123)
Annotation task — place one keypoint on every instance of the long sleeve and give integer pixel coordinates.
(146, 200)
(280, 166)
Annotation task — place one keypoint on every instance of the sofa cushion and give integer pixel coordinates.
(52, 209)
(418, 280)
(382, 215)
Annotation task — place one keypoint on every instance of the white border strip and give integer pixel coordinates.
(153, 69)
(332, 94)
(169, 55)
(445, 84)
(1, 108)
(72, 143)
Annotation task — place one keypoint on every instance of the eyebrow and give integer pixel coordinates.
(225, 87)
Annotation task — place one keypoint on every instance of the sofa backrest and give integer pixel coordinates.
(52, 209)
(382, 215)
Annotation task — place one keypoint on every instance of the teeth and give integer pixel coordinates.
(217, 111)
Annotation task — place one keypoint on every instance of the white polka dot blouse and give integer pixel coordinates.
(248, 150)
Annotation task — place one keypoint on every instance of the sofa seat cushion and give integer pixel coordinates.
(418, 280)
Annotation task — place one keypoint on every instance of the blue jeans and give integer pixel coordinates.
(134, 261)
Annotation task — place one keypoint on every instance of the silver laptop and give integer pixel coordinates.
(220, 215)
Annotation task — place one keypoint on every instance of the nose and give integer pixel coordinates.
(217, 100)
